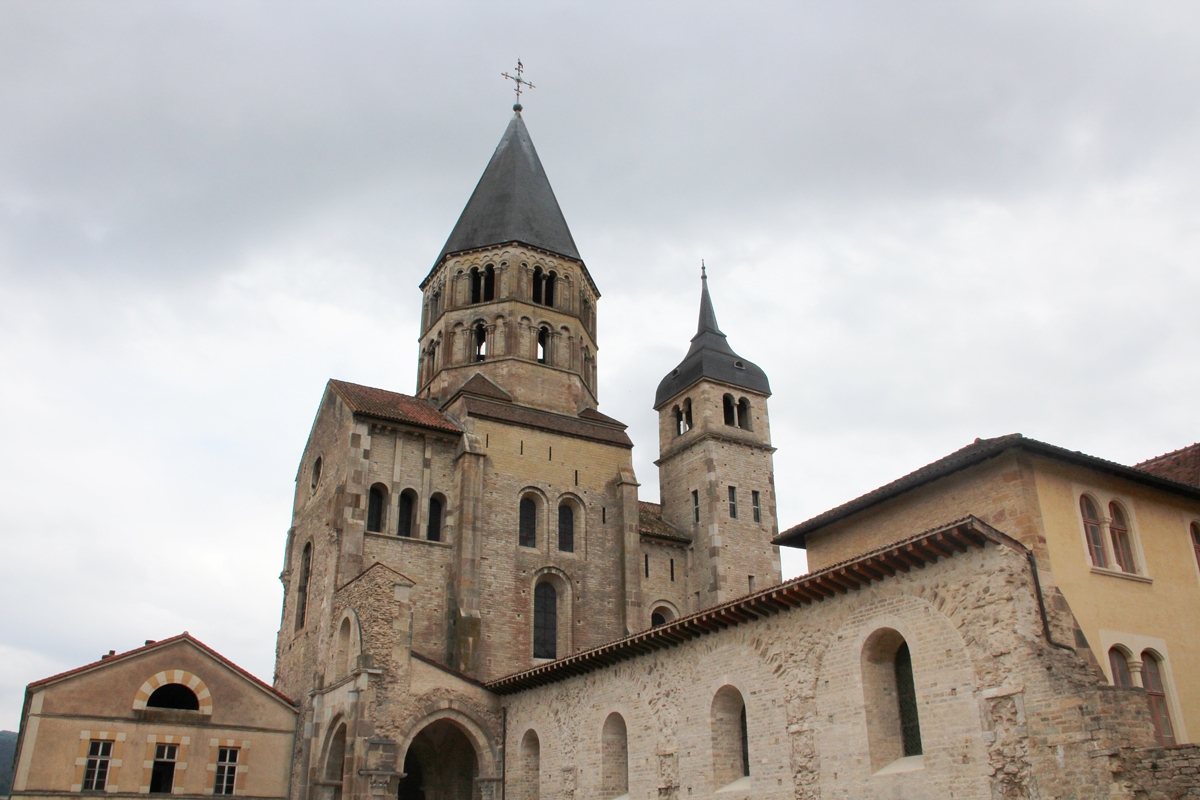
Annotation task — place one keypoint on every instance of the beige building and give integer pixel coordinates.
(173, 717)
(1121, 543)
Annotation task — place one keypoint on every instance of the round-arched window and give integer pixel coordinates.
(174, 695)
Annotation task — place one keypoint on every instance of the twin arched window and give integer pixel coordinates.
(1154, 684)
(737, 412)
(1118, 549)
(483, 284)
(527, 524)
(683, 417)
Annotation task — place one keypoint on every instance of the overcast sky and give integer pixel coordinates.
(926, 221)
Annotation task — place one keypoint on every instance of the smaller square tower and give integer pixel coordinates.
(716, 464)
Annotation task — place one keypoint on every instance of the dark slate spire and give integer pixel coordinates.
(711, 357)
(513, 202)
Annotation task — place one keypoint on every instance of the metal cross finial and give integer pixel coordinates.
(520, 81)
(703, 274)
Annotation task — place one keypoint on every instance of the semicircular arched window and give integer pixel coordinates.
(174, 695)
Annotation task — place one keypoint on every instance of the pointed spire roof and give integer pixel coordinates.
(710, 356)
(513, 202)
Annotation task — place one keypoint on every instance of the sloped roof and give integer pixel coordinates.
(710, 356)
(1182, 465)
(161, 643)
(650, 523)
(512, 202)
(916, 552)
(975, 453)
(482, 387)
(610, 432)
(393, 406)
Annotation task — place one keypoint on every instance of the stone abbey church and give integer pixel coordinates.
(477, 605)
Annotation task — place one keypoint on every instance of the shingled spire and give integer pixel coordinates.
(513, 202)
(710, 356)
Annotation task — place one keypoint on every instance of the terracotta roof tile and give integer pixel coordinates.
(1182, 465)
(393, 406)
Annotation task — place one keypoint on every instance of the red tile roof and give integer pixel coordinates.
(547, 421)
(183, 637)
(1182, 465)
(393, 406)
(915, 552)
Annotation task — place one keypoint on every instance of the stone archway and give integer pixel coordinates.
(441, 764)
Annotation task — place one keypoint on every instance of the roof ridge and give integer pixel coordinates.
(1142, 464)
(159, 643)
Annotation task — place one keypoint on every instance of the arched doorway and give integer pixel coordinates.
(440, 764)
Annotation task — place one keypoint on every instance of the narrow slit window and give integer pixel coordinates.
(696, 506)
(756, 506)
(433, 531)
(545, 621)
(732, 502)
(672, 570)
(527, 536)
(566, 528)
(647, 564)
(375, 508)
(906, 696)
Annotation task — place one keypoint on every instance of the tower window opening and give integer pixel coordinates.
(480, 342)
(551, 284)
(408, 501)
(489, 283)
(543, 345)
(433, 531)
(696, 506)
(1118, 528)
(538, 280)
(756, 506)
(302, 586)
(687, 414)
(672, 570)
(375, 508)
(657, 619)
(679, 429)
(730, 411)
(316, 473)
(566, 528)
(733, 502)
(647, 561)
(527, 535)
(743, 414)
(545, 621)
(476, 285)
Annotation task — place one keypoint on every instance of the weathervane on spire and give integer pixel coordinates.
(520, 81)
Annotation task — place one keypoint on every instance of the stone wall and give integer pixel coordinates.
(1003, 711)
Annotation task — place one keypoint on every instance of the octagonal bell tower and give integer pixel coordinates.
(509, 296)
